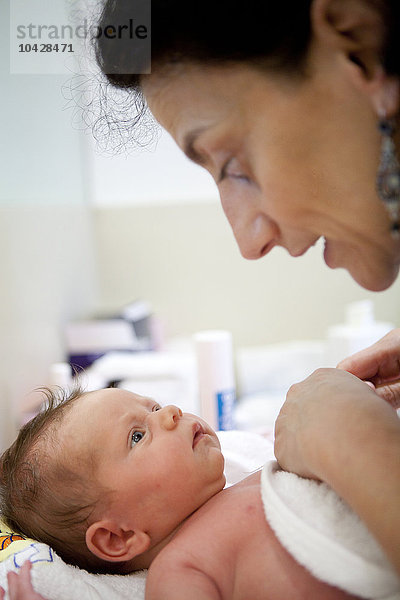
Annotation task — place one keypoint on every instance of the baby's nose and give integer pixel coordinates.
(169, 416)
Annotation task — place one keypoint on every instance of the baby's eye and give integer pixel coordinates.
(136, 437)
(156, 407)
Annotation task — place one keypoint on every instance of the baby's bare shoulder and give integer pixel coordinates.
(174, 577)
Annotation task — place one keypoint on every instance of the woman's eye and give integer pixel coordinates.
(231, 169)
(136, 437)
(238, 176)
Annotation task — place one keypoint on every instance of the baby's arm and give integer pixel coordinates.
(180, 583)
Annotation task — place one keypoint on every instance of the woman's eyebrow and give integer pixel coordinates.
(189, 140)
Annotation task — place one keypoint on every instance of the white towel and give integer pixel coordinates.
(244, 452)
(56, 580)
(324, 535)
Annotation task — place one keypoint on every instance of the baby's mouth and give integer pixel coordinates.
(198, 434)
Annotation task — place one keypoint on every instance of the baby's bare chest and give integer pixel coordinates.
(230, 541)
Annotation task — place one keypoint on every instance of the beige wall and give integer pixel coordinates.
(184, 260)
(47, 275)
(47, 268)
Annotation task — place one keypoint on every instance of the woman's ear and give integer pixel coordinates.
(355, 26)
(112, 543)
(356, 29)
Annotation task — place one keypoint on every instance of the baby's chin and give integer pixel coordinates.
(220, 485)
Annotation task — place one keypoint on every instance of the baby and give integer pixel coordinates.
(115, 483)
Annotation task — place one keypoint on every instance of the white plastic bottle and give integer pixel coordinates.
(217, 390)
(359, 331)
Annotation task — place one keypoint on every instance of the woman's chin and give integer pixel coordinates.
(374, 281)
(375, 275)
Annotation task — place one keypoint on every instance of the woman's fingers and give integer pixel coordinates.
(390, 393)
(379, 363)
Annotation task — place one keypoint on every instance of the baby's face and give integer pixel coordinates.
(160, 464)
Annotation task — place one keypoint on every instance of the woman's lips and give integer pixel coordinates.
(300, 251)
(297, 253)
(328, 258)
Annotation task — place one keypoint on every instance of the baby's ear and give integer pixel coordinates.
(110, 542)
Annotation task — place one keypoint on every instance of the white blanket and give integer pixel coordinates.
(324, 535)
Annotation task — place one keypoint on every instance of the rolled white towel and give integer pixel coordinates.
(325, 535)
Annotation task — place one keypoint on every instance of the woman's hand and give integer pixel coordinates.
(335, 428)
(20, 585)
(316, 414)
(321, 404)
(380, 364)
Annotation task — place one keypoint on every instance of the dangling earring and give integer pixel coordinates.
(388, 177)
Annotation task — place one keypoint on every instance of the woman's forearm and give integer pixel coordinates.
(363, 467)
(335, 428)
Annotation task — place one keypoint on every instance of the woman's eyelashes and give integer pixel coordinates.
(231, 169)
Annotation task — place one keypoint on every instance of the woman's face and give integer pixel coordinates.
(293, 160)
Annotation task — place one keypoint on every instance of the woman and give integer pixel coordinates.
(292, 107)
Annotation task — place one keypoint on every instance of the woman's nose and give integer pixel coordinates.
(168, 417)
(255, 238)
(255, 234)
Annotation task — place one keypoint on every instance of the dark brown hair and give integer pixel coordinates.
(277, 34)
(271, 35)
(43, 494)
